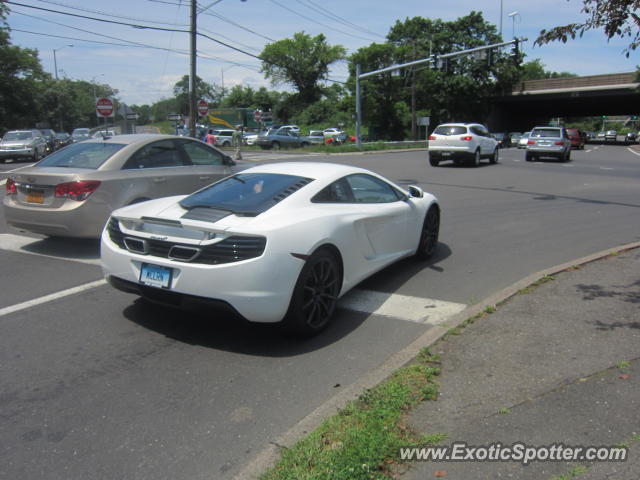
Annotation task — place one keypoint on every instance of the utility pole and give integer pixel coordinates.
(192, 75)
(414, 133)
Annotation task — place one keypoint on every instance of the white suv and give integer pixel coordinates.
(462, 142)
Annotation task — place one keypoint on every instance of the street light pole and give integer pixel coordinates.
(55, 67)
(513, 16)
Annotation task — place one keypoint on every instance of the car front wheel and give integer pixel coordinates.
(275, 146)
(476, 158)
(429, 234)
(315, 295)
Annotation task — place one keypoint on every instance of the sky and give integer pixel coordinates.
(144, 64)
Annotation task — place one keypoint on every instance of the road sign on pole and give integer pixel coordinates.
(257, 115)
(203, 108)
(104, 107)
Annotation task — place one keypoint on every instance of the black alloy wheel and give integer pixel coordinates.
(315, 295)
(429, 234)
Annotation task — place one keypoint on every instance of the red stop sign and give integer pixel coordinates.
(257, 115)
(104, 107)
(203, 108)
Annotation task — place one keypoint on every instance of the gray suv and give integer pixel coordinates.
(548, 142)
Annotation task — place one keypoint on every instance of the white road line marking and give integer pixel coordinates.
(53, 296)
(413, 309)
(606, 168)
(19, 243)
(517, 160)
(633, 151)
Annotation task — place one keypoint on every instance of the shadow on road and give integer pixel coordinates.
(221, 330)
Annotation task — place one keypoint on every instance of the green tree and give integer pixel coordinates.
(302, 61)
(618, 18)
(20, 74)
(212, 94)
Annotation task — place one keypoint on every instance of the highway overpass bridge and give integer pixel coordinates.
(535, 102)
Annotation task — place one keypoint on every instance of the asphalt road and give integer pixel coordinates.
(97, 384)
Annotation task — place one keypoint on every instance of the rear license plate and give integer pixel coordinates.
(35, 196)
(155, 275)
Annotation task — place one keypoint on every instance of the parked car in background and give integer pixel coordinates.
(20, 144)
(280, 242)
(340, 139)
(524, 138)
(293, 128)
(63, 139)
(103, 134)
(330, 132)
(590, 136)
(224, 136)
(631, 137)
(601, 136)
(250, 138)
(514, 138)
(548, 142)
(462, 142)
(316, 137)
(502, 139)
(577, 137)
(80, 134)
(72, 192)
(610, 136)
(50, 137)
(280, 138)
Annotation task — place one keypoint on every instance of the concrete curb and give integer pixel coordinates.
(270, 454)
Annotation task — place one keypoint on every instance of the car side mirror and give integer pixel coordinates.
(415, 192)
(227, 160)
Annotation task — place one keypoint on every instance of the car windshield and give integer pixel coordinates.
(450, 130)
(11, 136)
(246, 193)
(546, 132)
(82, 155)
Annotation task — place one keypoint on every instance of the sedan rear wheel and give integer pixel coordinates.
(434, 162)
(429, 235)
(275, 145)
(314, 296)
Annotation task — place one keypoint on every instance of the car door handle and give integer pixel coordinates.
(159, 179)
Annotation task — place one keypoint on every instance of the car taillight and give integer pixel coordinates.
(559, 142)
(432, 137)
(11, 187)
(78, 191)
(531, 142)
(468, 138)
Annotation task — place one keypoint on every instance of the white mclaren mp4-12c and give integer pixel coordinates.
(276, 242)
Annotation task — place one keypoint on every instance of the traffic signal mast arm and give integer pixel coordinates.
(433, 58)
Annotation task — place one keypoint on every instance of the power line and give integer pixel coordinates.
(98, 12)
(315, 21)
(337, 18)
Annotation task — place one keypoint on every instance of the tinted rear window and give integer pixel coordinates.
(450, 130)
(546, 132)
(246, 193)
(82, 155)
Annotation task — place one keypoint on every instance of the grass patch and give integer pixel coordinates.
(537, 283)
(504, 411)
(623, 365)
(362, 440)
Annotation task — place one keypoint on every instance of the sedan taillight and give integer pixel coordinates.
(531, 142)
(11, 187)
(79, 190)
(468, 138)
(432, 137)
(559, 142)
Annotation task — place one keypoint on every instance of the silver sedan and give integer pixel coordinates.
(72, 192)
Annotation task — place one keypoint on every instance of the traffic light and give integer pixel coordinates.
(515, 51)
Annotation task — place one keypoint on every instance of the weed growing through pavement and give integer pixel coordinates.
(575, 471)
